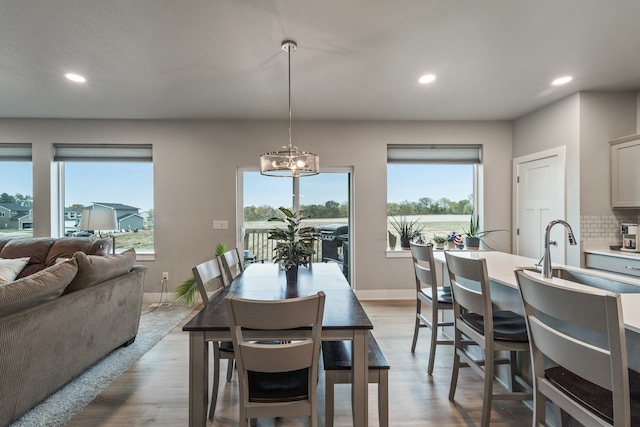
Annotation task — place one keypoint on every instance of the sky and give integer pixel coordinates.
(132, 184)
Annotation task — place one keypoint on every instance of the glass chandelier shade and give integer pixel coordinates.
(289, 162)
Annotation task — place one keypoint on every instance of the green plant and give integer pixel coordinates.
(439, 239)
(294, 243)
(187, 291)
(407, 229)
(474, 229)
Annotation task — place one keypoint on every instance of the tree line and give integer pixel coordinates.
(17, 199)
(333, 209)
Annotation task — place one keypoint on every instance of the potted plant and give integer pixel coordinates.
(451, 240)
(294, 243)
(407, 230)
(187, 291)
(473, 236)
(439, 241)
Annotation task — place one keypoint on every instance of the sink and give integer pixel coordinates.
(594, 280)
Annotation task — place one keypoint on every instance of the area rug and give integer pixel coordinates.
(60, 407)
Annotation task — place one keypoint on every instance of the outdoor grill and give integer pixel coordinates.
(335, 241)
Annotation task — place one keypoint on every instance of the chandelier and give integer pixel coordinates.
(289, 162)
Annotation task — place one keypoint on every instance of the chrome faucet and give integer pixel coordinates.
(545, 263)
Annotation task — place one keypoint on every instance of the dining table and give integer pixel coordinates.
(344, 319)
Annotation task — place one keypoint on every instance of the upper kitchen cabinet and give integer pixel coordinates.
(625, 180)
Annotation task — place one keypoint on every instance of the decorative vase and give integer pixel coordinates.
(451, 245)
(392, 240)
(404, 243)
(472, 243)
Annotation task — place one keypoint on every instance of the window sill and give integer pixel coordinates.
(146, 256)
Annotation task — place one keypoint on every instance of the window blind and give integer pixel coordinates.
(103, 153)
(440, 153)
(15, 152)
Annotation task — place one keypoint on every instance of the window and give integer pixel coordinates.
(114, 176)
(324, 199)
(434, 185)
(16, 191)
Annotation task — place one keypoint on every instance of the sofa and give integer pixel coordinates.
(69, 305)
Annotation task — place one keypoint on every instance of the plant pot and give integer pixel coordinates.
(451, 245)
(292, 275)
(440, 245)
(404, 243)
(472, 243)
(392, 240)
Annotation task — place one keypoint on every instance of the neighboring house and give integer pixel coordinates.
(148, 219)
(128, 217)
(16, 217)
(72, 217)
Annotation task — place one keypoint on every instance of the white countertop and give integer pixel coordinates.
(617, 254)
(501, 266)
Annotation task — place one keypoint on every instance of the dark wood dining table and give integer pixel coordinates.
(344, 319)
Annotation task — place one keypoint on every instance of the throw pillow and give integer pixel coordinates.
(10, 268)
(93, 269)
(37, 288)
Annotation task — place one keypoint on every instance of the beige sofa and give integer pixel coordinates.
(69, 306)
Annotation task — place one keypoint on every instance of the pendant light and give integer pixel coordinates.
(289, 162)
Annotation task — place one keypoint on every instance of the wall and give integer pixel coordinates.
(553, 126)
(195, 165)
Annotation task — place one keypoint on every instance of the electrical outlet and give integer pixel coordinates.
(165, 275)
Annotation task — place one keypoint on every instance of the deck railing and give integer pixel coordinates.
(256, 242)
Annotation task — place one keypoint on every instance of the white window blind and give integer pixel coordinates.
(103, 153)
(15, 152)
(444, 153)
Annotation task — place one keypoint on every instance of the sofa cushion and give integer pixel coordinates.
(3, 242)
(36, 289)
(65, 247)
(10, 268)
(35, 248)
(93, 269)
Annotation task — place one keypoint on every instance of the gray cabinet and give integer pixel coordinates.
(613, 264)
(625, 180)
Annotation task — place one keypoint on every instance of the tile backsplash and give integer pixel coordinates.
(604, 227)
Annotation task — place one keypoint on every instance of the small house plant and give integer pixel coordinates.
(407, 230)
(187, 291)
(439, 241)
(294, 243)
(473, 236)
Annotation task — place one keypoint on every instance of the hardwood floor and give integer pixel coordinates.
(154, 390)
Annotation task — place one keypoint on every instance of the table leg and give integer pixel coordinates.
(360, 375)
(198, 379)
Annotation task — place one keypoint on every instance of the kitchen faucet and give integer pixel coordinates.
(545, 263)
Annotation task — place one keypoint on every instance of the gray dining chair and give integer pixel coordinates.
(207, 275)
(490, 330)
(579, 353)
(277, 380)
(231, 264)
(429, 293)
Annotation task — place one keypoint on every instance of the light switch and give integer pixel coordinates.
(220, 225)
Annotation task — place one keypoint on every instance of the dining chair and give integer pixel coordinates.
(231, 264)
(209, 274)
(579, 353)
(277, 380)
(491, 330)
(428, 292)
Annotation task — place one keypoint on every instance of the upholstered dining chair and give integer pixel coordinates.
(277, 380)
(491, 330)
(208, 274)
(428, 292)
(231, 264)
(579, 353)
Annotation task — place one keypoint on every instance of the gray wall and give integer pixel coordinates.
(195, 166)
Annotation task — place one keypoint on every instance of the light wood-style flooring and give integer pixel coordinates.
(154, 391)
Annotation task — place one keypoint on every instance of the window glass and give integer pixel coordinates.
(438, 197)
(16, 191)
(125, 187)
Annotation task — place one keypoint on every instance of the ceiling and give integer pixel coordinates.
(356, 59)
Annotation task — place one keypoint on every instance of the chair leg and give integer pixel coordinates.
(216, 379)
(454, 372)
(488, 388)
(434, 340)
(230, 363)
(416, 329)
(328, 398)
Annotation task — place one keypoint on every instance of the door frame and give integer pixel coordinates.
(560, 153)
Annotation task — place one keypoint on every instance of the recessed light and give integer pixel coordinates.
(427, 78)
(75, 77)
(561, 80)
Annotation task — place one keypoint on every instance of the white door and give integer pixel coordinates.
(539, 195)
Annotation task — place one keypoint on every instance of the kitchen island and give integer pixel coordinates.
(505, 294)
